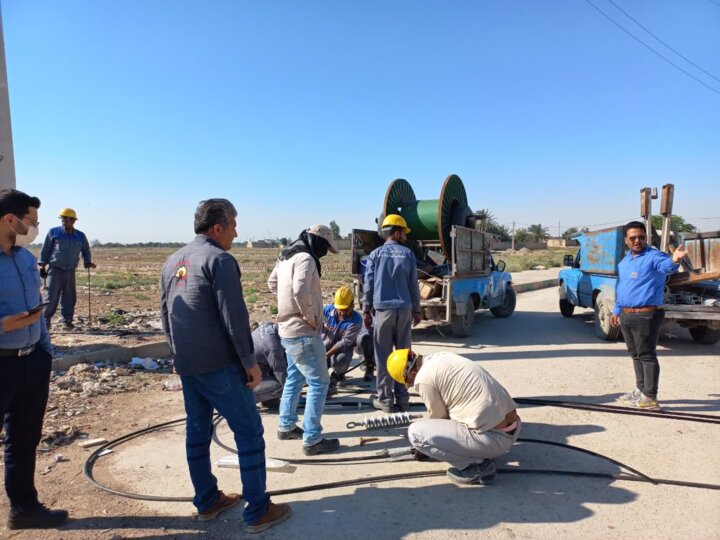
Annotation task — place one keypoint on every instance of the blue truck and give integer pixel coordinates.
(451, 290)
(591, 282)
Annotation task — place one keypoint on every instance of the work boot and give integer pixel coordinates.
(276, 513)
(382, 406)
(68, 325)
(402, 405)
(478, 473)
(271, 403)
(332, 390)
(224, 502)
(295, 433)
(338, 379)
(630, 397)
(325, 446)
(39, 517)
(369, 376)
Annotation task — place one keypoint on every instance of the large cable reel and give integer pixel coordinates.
(430, 220)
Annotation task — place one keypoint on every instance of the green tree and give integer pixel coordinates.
(522, 236)
(538, 233)
(501, 231)
(485, 220)
(335, 229)
(569, 232)
(677, 223)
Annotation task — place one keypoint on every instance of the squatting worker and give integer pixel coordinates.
(638, 309)
(471, 417)
(391, 289)
(340, 333)
(25, 361)
(296, 282)
(206, 324)
(61, 253)
(270, 357)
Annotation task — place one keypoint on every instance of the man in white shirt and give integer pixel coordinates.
(471, 417)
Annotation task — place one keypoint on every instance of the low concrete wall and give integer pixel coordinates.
(157, 349)
(535, 286)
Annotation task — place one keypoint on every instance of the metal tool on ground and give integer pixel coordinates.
(396, 454)
(366, 440)
(389, 420)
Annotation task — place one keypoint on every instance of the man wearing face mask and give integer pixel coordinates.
(61, 251)
(25, 361)
(296, 282)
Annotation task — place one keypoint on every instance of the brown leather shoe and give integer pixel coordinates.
(224, 502)
(276, 513)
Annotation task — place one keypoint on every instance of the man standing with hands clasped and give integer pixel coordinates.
(206, 324)
(638, 310)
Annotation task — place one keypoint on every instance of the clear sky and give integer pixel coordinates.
(301, 112)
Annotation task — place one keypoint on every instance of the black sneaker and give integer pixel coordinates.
(478, 473)
(402, 405)
(325, 446)
(368, 375)
(38, 518)
(68, 325)
(296, 433)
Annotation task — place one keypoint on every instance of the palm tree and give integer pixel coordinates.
(538, 233)
(485, 220)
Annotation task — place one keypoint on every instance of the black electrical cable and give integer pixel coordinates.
(92, 459)
(669, 415)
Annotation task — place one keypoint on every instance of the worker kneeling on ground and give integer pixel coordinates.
(472, 418)
(341, 334)
(271, 359)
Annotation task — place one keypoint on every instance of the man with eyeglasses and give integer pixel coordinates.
(25, 361)
(471, 418)
(638, 310)
(61, 251)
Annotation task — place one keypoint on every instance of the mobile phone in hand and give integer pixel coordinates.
(37, 308)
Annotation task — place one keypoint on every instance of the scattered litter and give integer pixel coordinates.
(145, 363)
(59, 458)
(92, 442)
(172, 385)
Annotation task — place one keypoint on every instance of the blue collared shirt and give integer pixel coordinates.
(642, 279)
(344, 331)
(20, 291)
(62, 249)
(391, 279)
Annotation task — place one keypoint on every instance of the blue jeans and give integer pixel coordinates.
(224, 390)
(306, 362)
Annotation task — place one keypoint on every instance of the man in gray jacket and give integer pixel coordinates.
(391, 289)
(296, 282)
(271, 359)
(206, 324)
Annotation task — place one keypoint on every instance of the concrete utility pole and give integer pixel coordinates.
(7, 160)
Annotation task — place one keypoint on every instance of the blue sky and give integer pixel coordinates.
(303, 112)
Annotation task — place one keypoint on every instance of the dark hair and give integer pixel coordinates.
(16, 202)
(635, 225)
(213, 212)
(387, 232)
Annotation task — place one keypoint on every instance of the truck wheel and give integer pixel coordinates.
(603, 329)
(566, 308)
(705, 335)
(508, 306)
(462, 324)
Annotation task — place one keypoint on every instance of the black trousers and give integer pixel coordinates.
(24, 385)
(641, 331)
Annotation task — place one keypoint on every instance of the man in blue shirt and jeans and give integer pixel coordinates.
(638, 309)
(206, 324)
(25, 361)
(61, 251)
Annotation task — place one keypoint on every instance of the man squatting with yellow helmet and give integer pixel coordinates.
(471, 417)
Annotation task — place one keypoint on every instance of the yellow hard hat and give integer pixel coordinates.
(344, 298)
(397, 363)
(394, 220)
(68, 212)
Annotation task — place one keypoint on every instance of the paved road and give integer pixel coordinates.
(534, 353)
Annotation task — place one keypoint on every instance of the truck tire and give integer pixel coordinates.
(705, 335)
(566, 308)
(508, 306)
(603, 329)
(462, 324)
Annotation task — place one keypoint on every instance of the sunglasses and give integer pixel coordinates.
(633, 238)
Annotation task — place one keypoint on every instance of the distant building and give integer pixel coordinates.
(259, 244)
